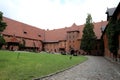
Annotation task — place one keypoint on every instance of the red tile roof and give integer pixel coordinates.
(97, 28)
(22, 30)
(26, 31)
(60, 34)
(55, 35)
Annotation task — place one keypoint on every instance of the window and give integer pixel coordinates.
(73, 36)
(69, 37)
(39, 35)
(69, 41)
(73, 41)
(25, 32)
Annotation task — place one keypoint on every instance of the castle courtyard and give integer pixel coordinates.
(95, 68)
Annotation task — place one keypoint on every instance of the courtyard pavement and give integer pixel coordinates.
(95, 68)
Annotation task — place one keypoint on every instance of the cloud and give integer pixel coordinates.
(51, 14)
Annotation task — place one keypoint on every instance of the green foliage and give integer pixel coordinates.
(2, 41)
(113, 29)
(117, 27)
(31, 65)
(1, 16)
(2, 24)
(22, 45)
(2, 27)
(88, 38)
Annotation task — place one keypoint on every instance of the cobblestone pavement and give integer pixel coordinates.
(95, 68)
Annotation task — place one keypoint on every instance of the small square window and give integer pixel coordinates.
(39, 35)
(25, 32)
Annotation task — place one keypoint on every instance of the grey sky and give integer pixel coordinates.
(52, 14)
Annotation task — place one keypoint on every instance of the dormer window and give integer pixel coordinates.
(39, 35)
(25, 32)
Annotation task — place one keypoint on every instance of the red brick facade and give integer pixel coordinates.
(107, 53)
(17, 33)
(57, 40)
(61, 40)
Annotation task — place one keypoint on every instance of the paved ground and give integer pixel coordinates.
(96, 68)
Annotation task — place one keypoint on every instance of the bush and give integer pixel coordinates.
(2, 41)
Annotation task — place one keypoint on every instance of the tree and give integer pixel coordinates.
(2, 41)
(88, 38)
(22, 45)
(113, 30)
(2, 27)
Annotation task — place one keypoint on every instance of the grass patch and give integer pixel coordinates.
(29, 65)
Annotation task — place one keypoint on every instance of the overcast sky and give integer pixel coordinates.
(53, 14)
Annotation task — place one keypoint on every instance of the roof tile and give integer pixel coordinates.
(22, 30)
(26, 31)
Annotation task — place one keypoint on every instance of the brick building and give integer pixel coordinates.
(57, 40)
(17, 33)
(113, 14)
(60, 40)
